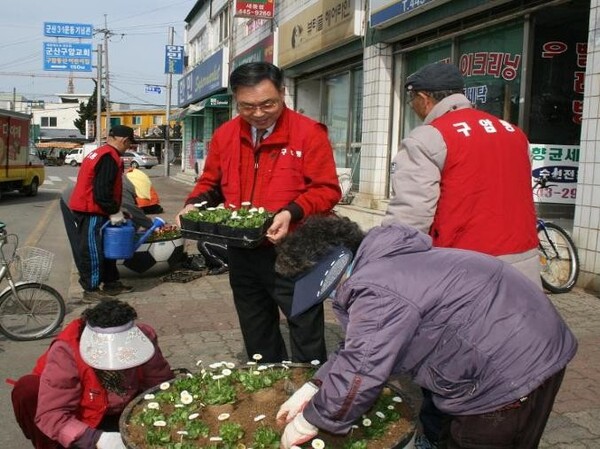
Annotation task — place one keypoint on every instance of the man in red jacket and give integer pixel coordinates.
(82, 383)
(271, 157)
(96, 199)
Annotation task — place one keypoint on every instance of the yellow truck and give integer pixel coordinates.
(20, 167)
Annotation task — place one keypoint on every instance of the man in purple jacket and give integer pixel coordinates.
(470, 328)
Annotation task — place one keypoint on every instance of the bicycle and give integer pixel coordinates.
(558, 254)
(29, 309)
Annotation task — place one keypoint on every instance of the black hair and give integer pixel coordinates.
(109, 313)
(315, 238)
(253, 73)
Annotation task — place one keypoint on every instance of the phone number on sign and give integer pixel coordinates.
(561, 192)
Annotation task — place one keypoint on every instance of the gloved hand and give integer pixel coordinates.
(296, 403)
(297, 432)
(110, 440)
(117, 219)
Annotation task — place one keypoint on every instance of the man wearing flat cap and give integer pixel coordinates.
(464, 176)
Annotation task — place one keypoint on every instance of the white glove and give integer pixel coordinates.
(117, 219)
(296, 403)
(110, 440)
(297, 432)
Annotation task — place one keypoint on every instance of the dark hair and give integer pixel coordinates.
(319, 234)
(253, 73)
(109, 313)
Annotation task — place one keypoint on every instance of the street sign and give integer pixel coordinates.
(153, 89)
(67, 57)
(174, 59)
(59, 29)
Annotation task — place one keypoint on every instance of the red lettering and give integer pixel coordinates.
(479, 63)
(581, 49)
(553, 48)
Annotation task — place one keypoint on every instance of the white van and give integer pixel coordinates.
(74, 157)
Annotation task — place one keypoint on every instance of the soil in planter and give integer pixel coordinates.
(267, 402)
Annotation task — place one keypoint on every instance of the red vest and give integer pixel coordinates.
(94, 398)
(486, 202)
(82, 198)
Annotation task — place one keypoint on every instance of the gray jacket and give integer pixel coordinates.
(464, 325)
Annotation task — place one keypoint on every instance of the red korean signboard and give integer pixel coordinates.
(255, 9)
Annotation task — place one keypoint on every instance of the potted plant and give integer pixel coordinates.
(246, 225)
(185, 413)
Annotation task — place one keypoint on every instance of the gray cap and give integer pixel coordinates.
(435, 77)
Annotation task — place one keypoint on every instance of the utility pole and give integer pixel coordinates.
(166, 155)
(99, 95)
(107, 34)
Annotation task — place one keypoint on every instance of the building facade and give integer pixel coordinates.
(531, 62)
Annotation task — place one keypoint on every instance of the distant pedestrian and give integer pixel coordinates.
(96, 199)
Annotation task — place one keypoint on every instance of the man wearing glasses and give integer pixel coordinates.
(96, 198)
(271, 157)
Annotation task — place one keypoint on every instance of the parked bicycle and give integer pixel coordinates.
(558, 254)
(29, 309)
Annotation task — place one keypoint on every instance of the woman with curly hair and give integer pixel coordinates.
(91, 371)
(484, 339)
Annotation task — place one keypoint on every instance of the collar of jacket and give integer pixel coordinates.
(279, 136)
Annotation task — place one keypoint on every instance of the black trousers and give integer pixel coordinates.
(93, 267)
(517, 426)
(259, 294)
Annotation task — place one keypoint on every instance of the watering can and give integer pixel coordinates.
(119, 241)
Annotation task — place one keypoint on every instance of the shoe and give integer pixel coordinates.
(422, 442)
(219, 270)
(94, 296)
(116, 288)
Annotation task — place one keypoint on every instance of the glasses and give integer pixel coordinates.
(410, 96)
(265, 106)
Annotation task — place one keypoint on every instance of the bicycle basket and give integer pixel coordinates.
(33, 264)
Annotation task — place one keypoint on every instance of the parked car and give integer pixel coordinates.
(74, 157)
(137, 159)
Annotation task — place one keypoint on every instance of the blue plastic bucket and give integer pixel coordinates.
(118, 240)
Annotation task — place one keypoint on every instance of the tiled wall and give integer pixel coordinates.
(587, 206)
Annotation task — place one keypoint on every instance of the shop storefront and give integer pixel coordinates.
(205, 106)
(321, 51)
(526, 66)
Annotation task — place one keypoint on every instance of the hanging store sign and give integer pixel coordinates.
(207, 77)
(76, 30)
(255, 9)
(67, 57)
(387, 12)
(263, 51)
(319, 28)
(174, 59)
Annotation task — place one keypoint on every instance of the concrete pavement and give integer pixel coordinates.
(197, 321)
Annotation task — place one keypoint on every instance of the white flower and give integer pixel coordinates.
(215, 365)
(366, 422)
(160, 423)
(397, 399)
(211, 208)
(226, 372)
(262, 367)
(216, 439)
(186, 398)
(223, 416)
(246, 203)
(354, 426)
(390, 407)
(380, 415)
(149, 396)
(286, 361)
(317, 443)
(315, 363)
(261, 210)
(231, 206)
(218, 377)
(199, 362)
(230, 365)
(257, 357)
(189, 375)
(165, 386)
(256, 373)
(253, 210)
(182, 432)
(234, 214)
(153, 405)
(193, 416)
(221, 206)
(259, 418)
(178, 406)
(285, 366)
(251, 363)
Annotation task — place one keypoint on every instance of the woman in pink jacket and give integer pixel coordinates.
(91, 371)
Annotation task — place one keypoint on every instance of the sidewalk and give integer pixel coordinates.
(197, 321)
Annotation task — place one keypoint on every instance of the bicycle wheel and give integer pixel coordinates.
(37, 312)
(558, 258)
